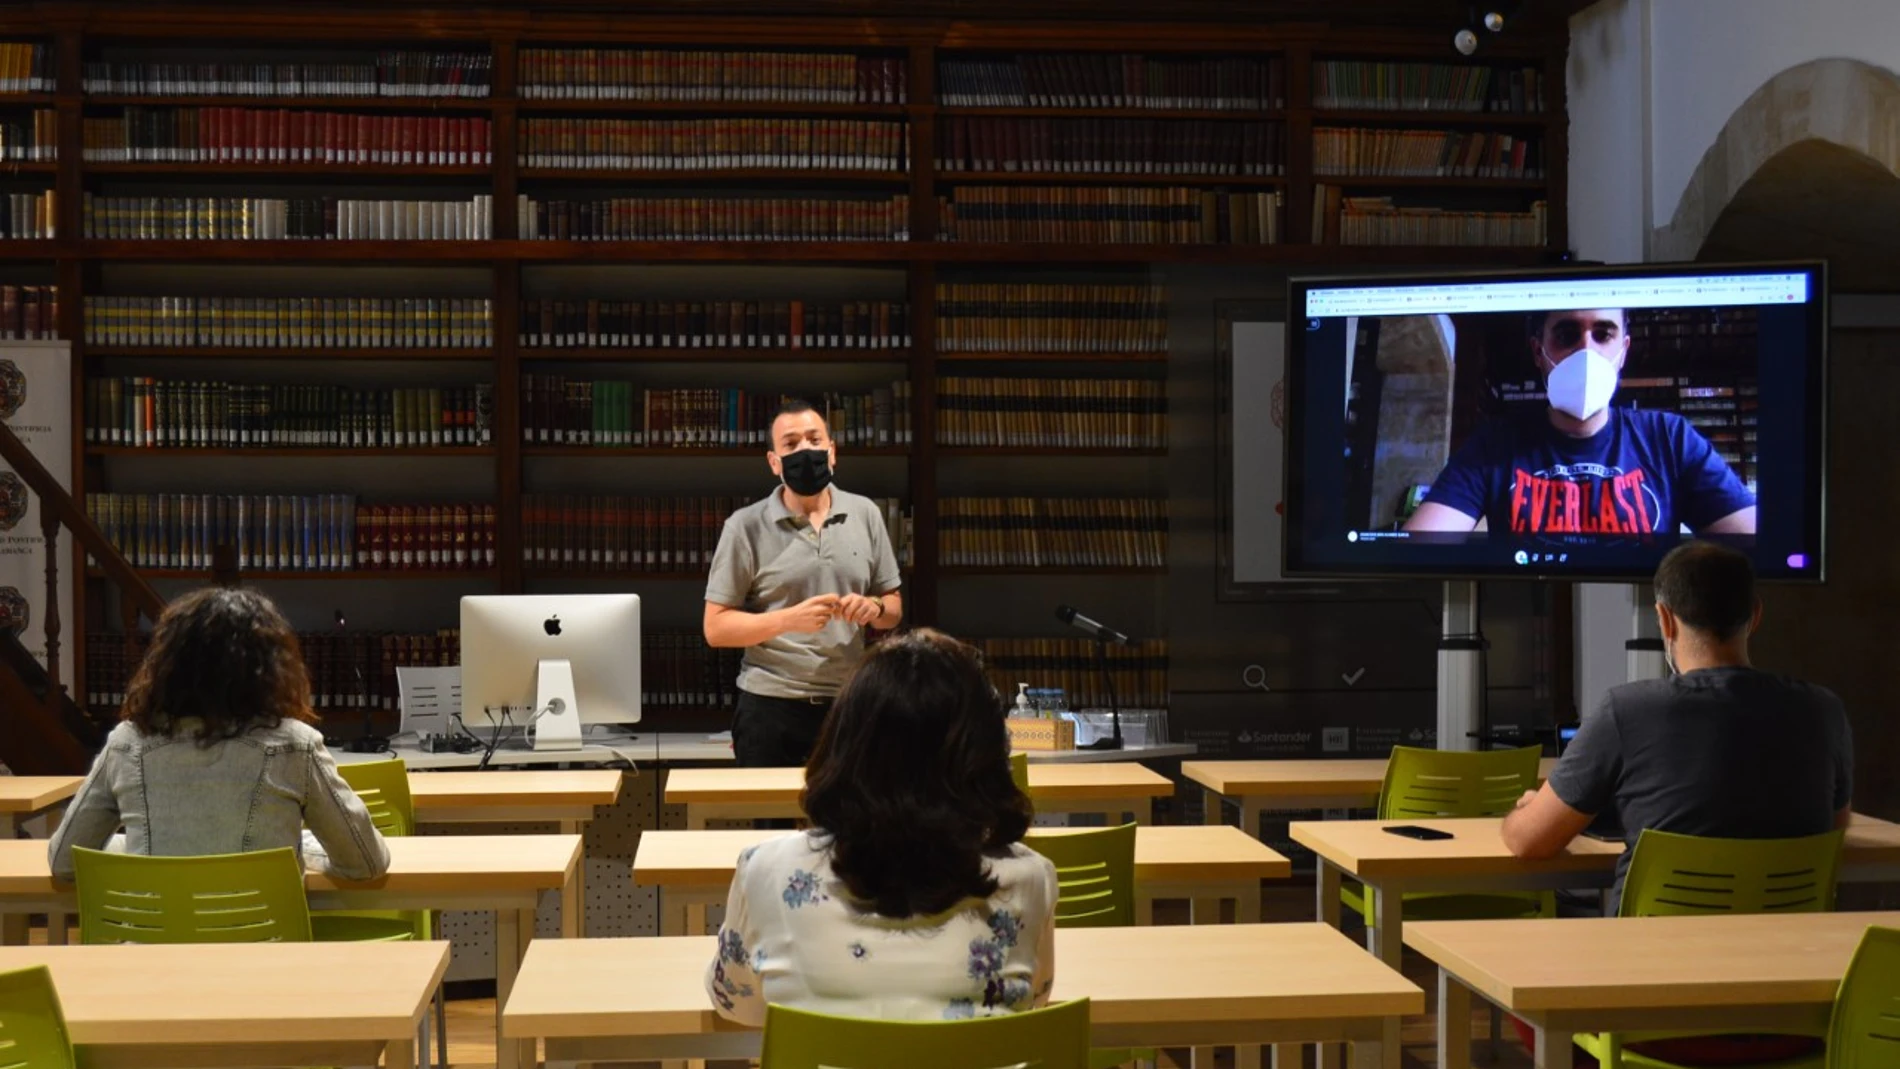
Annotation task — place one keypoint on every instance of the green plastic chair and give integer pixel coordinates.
(1435, 784)
(32, 1027)
(1019, 771)
(1686, 875)
(1864, 1031)
(255, 897)
(1095, 888)
(384, 788)
(1055, 1037)
(1095, 875)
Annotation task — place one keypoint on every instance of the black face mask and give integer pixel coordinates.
(806, 472)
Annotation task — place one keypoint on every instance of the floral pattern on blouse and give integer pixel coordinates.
(802, 890)
(793, 936)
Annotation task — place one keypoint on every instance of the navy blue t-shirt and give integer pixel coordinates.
(1644, 473)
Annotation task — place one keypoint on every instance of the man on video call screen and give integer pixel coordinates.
(1581, 465)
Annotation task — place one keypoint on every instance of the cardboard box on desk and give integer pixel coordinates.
(1036, 733)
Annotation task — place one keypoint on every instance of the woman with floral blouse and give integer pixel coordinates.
(912, 896)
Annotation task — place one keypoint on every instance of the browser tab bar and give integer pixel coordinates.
(1674, 291)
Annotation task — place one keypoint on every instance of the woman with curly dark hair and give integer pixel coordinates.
(912, 896)
(215, 752)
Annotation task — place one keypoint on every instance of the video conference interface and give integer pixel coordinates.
(1580, 425)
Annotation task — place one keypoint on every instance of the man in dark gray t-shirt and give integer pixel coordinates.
(1717, 749)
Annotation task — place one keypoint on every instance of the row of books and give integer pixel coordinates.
(1425, 154)
(556, 410)
(1110, 146)
(386, 74)
(1680, 337)
(713, 144)
(679, 671)
(291, 322)
(715, 324)
(28, 216)
(657, 74)
(29, 137)
(885, 218)
(1392, 86)
(29, 313)
(580, 533)
(1109, 80)
(278, 219)
(146, 412)
(282, 135)
(1139, 671)
(1041, 317)
(1108, 215)
(1378, 221)
(1053, 413)
(26, 67)
(1032, 532)
(294, 532)
(349, 671)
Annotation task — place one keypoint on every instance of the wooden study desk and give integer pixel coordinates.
(693, 869)
(645, 999)
(502, 874)
(22, 797)
(1257, 786)
(212, 1006)
(566, 797)
(1476, 860)
(1750, 973)
(1114, 789)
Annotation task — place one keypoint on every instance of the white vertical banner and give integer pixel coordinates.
(36, 390)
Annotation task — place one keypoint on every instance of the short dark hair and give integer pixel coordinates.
(1535, 322)
(1709, 587)
(224, 657)
(910, 779)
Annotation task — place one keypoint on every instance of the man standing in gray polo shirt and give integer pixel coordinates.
(796, 579)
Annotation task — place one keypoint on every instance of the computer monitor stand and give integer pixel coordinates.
(557, 721)
(1461, 670)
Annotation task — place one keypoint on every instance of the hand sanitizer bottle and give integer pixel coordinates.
(1023, 709)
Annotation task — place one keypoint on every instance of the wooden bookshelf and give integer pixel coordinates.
(514, 266)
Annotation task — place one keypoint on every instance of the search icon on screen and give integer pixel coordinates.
(1254, 676)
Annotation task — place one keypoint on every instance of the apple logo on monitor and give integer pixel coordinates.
(552, 625)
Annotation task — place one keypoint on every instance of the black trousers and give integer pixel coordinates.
(775, 732)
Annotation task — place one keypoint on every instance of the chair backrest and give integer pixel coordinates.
(1019, 771)
(1095, 875)
(1865, 1030)
(255, 897)
(1055, 1037)
(1676, 875)
(1421, 784)
(384, 788)
(32, 1028)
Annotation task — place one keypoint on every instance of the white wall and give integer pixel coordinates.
(1609, 140)
(1711, 55)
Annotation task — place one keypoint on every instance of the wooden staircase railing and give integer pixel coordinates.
(42, 732)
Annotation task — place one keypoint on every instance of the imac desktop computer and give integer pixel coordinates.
(552, 663)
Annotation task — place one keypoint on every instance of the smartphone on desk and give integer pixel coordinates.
(1413, 831)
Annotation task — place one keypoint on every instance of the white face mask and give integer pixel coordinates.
(1582, 384)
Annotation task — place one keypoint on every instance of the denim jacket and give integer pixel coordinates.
(255, 792)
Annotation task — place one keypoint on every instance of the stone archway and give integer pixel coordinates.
(1842, 102)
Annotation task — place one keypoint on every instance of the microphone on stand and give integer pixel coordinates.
(1103, 635)
(1101, 631)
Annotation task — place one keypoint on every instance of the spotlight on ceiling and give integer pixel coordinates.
(1465, 41)
(1494, 20)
